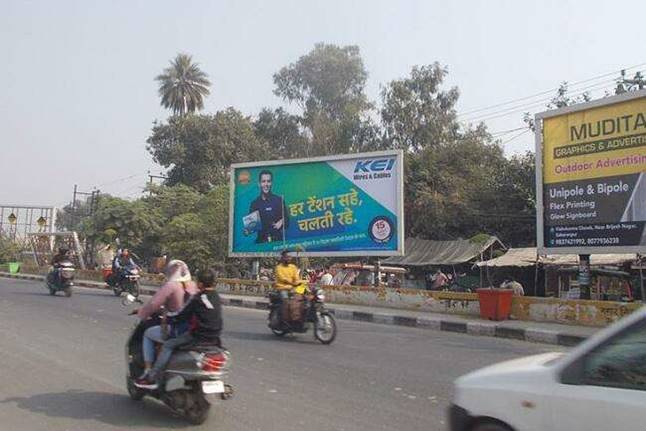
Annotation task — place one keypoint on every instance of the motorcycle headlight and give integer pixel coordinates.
(320, 295)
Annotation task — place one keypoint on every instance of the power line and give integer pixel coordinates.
(534, 104)
(120, 179)
(573, 84)
(515, 137)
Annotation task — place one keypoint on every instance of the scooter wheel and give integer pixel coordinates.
(198, 412)
(136, 394)
(67, 291)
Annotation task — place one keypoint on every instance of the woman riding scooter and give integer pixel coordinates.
(172, 295)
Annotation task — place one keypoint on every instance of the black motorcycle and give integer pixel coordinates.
(61, 279)
(127, 281)
(193, 377)
(314, 315)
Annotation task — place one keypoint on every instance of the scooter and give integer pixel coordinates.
(194, 377)
(315, 315)
(61, 278)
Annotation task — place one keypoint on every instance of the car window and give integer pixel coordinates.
(620, 362)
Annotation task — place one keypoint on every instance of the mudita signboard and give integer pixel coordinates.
(591, 182)
(349, 205)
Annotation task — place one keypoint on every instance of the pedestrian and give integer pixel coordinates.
(515, 286)
(327, 277)
(439, 280)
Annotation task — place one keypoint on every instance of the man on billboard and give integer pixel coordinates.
(271, 211)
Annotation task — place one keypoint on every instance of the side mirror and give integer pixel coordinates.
(574, 373)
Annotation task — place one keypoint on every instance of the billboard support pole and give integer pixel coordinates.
(584, 276)
(641, 276)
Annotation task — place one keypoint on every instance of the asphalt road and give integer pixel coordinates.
(62, 368)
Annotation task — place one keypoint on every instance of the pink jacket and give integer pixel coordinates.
(170, 295)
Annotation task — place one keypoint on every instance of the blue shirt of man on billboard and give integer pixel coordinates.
(271, 209)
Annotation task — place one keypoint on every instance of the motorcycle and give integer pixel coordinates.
(61, 278)
(315, 316)
(128, 282)
(194, 376)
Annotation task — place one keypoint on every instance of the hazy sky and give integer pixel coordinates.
(78, 96)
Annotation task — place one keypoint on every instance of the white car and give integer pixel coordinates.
(599, 385)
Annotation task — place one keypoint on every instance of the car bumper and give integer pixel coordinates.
(459, 418)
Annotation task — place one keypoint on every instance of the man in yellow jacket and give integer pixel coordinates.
(287, 278)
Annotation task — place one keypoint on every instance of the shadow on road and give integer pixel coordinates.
(109, 408)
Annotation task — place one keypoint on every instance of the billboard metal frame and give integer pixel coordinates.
(400, 204)
(538, 135)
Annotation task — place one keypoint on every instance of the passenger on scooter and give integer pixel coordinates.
(172, 295)
(203, 313)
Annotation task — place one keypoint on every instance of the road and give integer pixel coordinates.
(62, 368)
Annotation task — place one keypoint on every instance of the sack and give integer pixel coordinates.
(296, 307)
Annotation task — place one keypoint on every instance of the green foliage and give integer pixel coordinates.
(199, 149)
(9, 250)
(134, 224)
(416, 113)
(183, 86)
(328, 85)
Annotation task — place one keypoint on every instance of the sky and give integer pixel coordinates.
(78, 97)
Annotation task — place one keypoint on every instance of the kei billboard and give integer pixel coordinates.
(348, 205)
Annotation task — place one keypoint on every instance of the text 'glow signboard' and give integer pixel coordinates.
(591, 177)
(350, 205)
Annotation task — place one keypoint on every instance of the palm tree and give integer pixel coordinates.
(183, 85)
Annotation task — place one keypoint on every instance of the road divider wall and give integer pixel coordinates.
(527, 308)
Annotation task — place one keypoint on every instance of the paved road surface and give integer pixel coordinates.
(62, 368)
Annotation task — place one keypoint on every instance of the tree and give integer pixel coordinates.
(199, 149)
(416, 113)
(281, 133)
(328, 85)
(134, 224)
(183, 86)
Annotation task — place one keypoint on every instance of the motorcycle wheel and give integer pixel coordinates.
(325, 328)
(67, 291)
(116, 291)
(134, 289)
(277, 332)
(136, 394)
(198, 412)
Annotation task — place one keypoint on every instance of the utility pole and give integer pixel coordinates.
(150, 179)
(624, 85)
(92, 201)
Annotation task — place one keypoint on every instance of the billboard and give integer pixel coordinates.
(591, 177)
(348, 205)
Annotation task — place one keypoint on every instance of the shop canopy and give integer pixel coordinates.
(526, 257)
(423, 252)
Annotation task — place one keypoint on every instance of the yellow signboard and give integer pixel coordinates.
(592, 182)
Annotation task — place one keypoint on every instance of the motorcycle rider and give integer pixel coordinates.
(61, 256)
(172, 295)
(204, 313)
(287, 278)
(122, 263)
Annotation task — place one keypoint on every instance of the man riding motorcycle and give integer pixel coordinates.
(288, 280)
(121, 264)
(61, 256)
